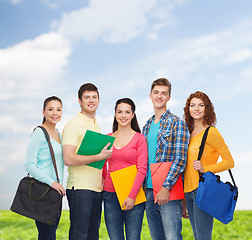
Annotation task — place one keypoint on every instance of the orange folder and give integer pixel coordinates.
(159, 172)
(123, 180)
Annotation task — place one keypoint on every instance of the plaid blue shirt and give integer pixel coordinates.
(172, 143)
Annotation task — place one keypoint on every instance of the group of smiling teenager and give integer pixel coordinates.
(164, 138)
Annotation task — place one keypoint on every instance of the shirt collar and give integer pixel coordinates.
(166, 114)
(86, 118)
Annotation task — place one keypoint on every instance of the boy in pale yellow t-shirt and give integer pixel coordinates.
(84, 184)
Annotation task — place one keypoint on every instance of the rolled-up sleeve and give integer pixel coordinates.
(181, 138)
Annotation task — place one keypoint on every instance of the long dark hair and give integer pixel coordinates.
(49, 99)
(134, 123)
(209, 118)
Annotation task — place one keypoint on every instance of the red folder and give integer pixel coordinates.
(159, 172)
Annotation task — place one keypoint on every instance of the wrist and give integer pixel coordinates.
(166, 189)
(99, 157)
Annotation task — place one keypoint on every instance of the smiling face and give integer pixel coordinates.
(89, 102)
(197, 109)
(160, 96)
(124, 114)
(53, 112)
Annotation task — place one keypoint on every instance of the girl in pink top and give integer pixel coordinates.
(129, 148)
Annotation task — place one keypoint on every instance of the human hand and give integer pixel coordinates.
(162, 196)
(58, 187)
(184, 210)
(129, 203)
(198, 166)
(105, 153)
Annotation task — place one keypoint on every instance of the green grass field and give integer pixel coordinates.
(16, 227)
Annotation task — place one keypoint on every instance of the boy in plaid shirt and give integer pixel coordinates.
(168, 138)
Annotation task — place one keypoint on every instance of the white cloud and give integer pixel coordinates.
(207, 58)
(33, 65)
(29, 71)
(197, 61)
(117, 20)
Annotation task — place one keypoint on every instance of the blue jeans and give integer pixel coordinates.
(47, 232)
(201, 222)
(164, 220)
(115, 218)
(85, 214)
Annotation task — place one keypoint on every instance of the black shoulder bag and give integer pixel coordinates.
(216, 198)
(38, 200)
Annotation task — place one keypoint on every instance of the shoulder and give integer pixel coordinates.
(148, 121)
(214, 138)
(70, 130)
(139, 135)
(71, 126)
(175, 118)
(177, 126)
(38, 132)
(140, 138)
(176, 121)
(214, 133)
(37, 135)
(72, 121)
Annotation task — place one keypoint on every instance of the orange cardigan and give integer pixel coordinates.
(214, 147)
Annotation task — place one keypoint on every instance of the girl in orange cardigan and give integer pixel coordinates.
(199, 114)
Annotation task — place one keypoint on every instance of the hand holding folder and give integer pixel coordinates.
(123, 181)
(92, 144)
(159, 172)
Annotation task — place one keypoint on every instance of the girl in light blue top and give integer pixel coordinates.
(38, 161)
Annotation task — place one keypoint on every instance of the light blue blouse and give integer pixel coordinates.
(38, 161)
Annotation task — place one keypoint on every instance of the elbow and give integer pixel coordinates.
(231, 163)
(232, 166)
(67, 157)
(142, 170)
(67, 161)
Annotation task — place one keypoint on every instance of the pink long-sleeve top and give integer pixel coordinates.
(134, 153)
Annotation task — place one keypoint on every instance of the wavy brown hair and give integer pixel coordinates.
(209, 118)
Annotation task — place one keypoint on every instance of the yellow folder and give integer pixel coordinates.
(92, 144)
(123, 180)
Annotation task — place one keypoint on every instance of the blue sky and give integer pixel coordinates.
(52, 47)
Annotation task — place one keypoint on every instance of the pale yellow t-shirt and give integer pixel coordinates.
(214, 147)
(81, 177)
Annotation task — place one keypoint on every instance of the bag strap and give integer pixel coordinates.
(201, 149)
(231, 175)
(202, 145)
(51, 151)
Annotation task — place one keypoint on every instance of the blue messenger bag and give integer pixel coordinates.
(216, 198)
